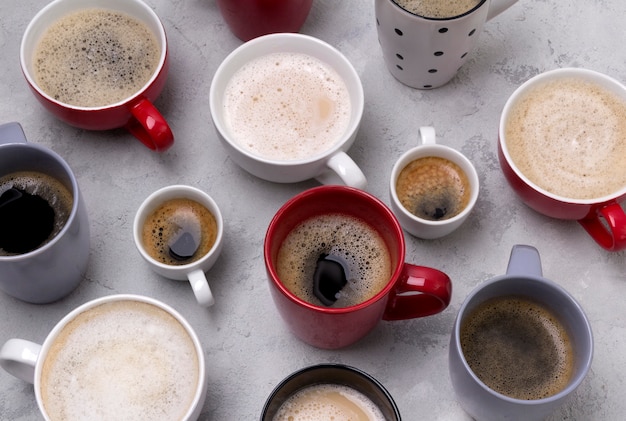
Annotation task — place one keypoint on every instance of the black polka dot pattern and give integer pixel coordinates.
(442, 30)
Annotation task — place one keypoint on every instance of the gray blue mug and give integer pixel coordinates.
(55, 267)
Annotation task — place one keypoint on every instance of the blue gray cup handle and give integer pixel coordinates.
(524, 261)
(12, 133)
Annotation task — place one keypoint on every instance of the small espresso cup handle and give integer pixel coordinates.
(149, 126)
(607, 227)
(201, 288)
(343, 170)
(18, 357)
(12, 133)
(420, 291)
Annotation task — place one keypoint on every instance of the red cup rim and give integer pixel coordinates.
(395, 229)
(597, 77)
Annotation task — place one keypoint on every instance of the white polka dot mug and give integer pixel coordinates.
(425, 42)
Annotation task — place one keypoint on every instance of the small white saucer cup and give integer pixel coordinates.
(424, 228)
(193, 272)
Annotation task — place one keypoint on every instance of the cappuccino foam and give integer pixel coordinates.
(123, 360)
(438, 8)
(328, 402)
(95, 57)
(287, 106)
(568, 136)
(353, 241)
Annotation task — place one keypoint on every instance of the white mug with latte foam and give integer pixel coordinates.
(189, 240)
(116, 357)
(433, 188)
(299, 114)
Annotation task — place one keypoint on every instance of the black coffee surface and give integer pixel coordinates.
(329, 278)
(26, 221)
(517, 348)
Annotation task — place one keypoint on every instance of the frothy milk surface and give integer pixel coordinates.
(95, 57)
(568, 136)
(438, 8)
(361, 246)
(123, 360)
(329, 402)
(287, 106)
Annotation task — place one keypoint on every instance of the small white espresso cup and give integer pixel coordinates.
(194, 272)
(329, 166)
(422, 227)
(130, 354)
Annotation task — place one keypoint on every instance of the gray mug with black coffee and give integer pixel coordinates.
(520, 346)
(44, 230)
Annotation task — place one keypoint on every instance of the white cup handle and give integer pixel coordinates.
(427, 135)
(201, 288)
(343, 170)
(18, 357)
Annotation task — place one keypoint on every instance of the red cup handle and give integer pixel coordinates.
(420, 291)
(149, 126)
(610, 230)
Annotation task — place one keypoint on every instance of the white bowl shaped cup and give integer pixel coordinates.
(332, 166)
(420, 227)
(193, 272)
(25, 359)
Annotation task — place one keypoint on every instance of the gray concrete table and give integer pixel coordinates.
(247, 346)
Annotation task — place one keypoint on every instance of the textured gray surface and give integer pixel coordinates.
(247, 346)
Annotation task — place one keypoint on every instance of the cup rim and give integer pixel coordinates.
(330, 366)
(395, 228)
(586, 74)
(468, 304)
(58, 327)
(75, 191)
(285, 42)
(445, 19)
(432, 150)
(177, 191)
(25, 56)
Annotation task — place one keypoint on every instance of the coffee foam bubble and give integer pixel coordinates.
(329, 402)
(287, 106)
(438, 8)
(95, 57)
(358, 244)
(518, 348)
(120, 360)
(568, 136)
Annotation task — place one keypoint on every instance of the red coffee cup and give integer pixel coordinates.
(136, 113)
(411, 291)
(249, 19)
(602, 217)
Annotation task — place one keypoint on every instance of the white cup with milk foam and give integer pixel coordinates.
(287, 107)
(116, 357)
